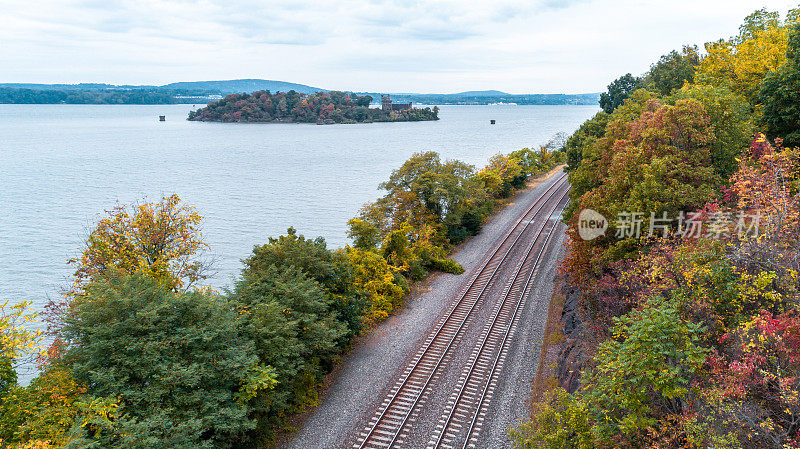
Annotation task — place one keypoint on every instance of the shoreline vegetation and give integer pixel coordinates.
(682, 330)
(145, 356)
(323, 108)
(415, 290)
(201, 92)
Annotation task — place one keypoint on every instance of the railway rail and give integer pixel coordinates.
(465, 409)
(389, 426)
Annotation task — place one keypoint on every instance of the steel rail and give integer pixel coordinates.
(538, 205)
(506, 334)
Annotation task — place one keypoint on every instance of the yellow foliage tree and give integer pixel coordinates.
(500, 174)
(160, 240)
(15, 339)
(378, 280)
(740, 63)
(42, 414)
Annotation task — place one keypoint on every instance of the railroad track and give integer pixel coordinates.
(390, 424)
(466, 407)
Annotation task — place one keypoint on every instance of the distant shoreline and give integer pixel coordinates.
(204, 92)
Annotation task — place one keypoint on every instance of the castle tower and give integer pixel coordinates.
(386, 103)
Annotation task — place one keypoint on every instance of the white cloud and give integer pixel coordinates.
(379, 45)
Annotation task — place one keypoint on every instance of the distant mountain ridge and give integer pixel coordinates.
(485, 97)
(481, 93)
(221, 86)
(243, 86)
(205, 91)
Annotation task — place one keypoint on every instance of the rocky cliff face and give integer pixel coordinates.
(572, 357)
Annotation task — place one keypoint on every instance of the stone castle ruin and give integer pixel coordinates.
(388, 106)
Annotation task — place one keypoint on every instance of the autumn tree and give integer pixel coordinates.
(742, 62)
(380, 282)
(751, 394)
(160, 240)
(658, 163)
(17, 341)
(501, 175)
(766, 184)
(691, 341)
(44, 414)
(780, 95)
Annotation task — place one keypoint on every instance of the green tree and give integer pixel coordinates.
(618, 91)
(303, 302)
(648, 364)
(364, 100)
(640, 375)
(732, 120)
(435, 198)
(673, 70)
(365, 235)
(529, 162)
(312, 256)
(561, 422)
(757, 22)
(583, 138)
(290, 318)
(176, 363)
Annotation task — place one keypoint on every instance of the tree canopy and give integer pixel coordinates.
(174, 364)
(780, 94)
(685, 332)
(618, 91)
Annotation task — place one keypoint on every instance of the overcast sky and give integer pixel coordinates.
(535, 46)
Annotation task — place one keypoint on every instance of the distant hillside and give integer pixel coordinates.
(62, 87)
(493, 96)
(481, 93)
(9, 95)
(212, 87)
(242, 86)
(194, 92)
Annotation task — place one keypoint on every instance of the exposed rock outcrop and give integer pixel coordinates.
(572, 357)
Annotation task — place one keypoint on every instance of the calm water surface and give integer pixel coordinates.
(62, 165)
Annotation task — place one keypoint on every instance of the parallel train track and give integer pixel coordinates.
(390, 424)
(466, 408)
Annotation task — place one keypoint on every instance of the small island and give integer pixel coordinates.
(321, 107)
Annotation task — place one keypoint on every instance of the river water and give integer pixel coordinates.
(61, 166)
